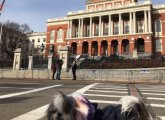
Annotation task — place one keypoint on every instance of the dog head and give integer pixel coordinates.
(62, 108)
(132, 108)
(72, 107)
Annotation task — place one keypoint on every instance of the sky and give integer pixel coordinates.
(36, 12)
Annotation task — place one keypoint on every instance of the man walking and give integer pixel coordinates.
(74, 67)
(53, 70)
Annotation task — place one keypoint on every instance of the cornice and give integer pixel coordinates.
(114, 10)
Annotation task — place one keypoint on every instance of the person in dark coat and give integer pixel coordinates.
(74, 67)
(53, 70)
(59, 68)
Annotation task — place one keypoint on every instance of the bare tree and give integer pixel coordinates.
(14, 36)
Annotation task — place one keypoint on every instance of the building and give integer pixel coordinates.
(108, 27)
(38, 39)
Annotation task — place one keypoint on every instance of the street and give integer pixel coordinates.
(28, 99)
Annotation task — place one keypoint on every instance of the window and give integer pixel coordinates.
(159, 45)
(140, 26)
(38, 40)
(52, 36)
(38, 46)
(158, 27)
(44, 39)
(33, 40)
(116, 28)
(97, 30)
(88, 31)
(60, 35)
(106, 29)
(126, 27)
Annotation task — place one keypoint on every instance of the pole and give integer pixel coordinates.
(1, 10)
(1, 31)
(32, 57)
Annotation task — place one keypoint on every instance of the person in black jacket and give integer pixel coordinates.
(53, 70)
(74, 67)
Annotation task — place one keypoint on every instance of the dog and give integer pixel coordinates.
(73, 107)
(129, 108)
(78, 107)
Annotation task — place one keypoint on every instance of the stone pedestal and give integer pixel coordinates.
(17, 59)
(135, 55)
(30, 65)
(64, 55)
(50, 62)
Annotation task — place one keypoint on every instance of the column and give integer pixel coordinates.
(71, 29)
(79, 28)
(102, 23)
(109, 49)
(131, 48)
(130, 22)
(134, 22)
(149, 21)
(82, 24)
(17, 59)
(79, 48)
(145, 21)
(50, 62)
(119, 48)
(148, 46)
(90, 33)
(122, 25)
(93, 29)
(112, 27)
(119, 23)
(99, 48)
(30, 65)
(68, 31)
(109, 28)
(99, 25)
(89, 50)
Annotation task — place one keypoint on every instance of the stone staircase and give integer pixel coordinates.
(66, 74)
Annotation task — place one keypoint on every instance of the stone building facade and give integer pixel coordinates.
(38, 39)
(108, 27)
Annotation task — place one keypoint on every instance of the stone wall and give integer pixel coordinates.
(127, 75)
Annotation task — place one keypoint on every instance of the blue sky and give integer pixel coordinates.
(36, 12)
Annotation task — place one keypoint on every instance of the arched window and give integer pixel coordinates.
(158, 27)
(52, 35)
(60, 35)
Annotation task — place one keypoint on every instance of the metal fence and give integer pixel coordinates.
(40, 62)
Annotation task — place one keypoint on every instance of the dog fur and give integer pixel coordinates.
(78, 107)
(73, 107)
(130, 108)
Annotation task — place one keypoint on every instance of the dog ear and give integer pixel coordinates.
(51, 111)
(135, 110)
(67, 103)
(132, 113)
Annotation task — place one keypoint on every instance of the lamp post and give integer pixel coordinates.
(32, 56)
(42, 47)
